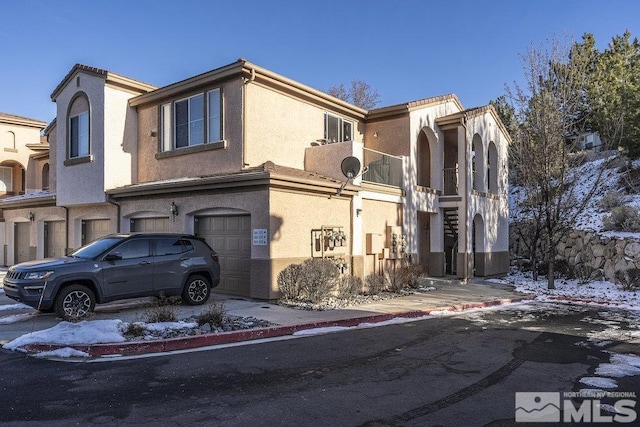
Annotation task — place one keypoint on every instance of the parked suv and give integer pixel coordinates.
(114, 267)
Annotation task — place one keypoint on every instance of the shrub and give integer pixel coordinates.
(628, 279)
(561, 269)
(317, 279)
(394, 279)
(163, 313)
(583, 273)
(622, 218)
(213, 315)
(610, 200)
(374, 284)
(411, 275)
(349, 286)
(135, 329)
(288, 281)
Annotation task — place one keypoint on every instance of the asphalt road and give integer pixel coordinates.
(452, 371)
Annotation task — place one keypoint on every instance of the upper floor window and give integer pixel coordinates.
(6, 179)
(79, 135)
(336, 129)
(191, 121)
(79, 142)
(45, 176)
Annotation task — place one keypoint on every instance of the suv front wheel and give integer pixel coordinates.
(74, 302)
(196, 291)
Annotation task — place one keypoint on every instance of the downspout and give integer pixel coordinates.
(466, 200)
(118, 210)
(66, 222)
(244, 116)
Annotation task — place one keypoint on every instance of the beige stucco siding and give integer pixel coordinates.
(120, 131)
(377, 215)
(279, 127)
(294, 215)
(81, 183)
(191, 164)
(391, 136)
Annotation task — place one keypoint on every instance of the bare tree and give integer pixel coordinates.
(544, 155)
(360, 94)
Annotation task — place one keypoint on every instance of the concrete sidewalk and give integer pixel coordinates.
(447, 296)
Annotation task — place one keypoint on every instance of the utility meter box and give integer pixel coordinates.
(374, 244)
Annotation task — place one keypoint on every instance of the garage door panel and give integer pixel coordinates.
(54, 239)
(94, 229)
(230, 236)
(150, 225)
(21, 242)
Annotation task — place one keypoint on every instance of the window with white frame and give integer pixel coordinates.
(6, 179)
(191, 121)
(79, 135)
(336, 129)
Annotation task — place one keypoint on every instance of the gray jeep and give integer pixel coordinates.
(115, 267)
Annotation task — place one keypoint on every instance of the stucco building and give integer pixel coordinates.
(251, 160)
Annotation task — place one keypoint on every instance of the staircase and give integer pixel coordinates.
(451, 223)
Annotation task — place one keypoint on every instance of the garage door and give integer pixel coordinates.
(21, 242)
(230, 236)
(150, 225)
(93, 229)
(54, 239)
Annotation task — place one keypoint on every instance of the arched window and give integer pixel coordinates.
(492, 166)
(79, 128)
(45, 176)
(423, 160)
(478, 164)
(11, 140)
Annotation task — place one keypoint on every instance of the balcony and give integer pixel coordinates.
(382, 169)
(450, 181)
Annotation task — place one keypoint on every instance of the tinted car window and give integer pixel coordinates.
(172, 246)
(96, 247)
(137, 248)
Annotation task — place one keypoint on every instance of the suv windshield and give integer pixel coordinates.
(96, 247)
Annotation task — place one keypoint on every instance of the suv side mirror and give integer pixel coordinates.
(113, 256)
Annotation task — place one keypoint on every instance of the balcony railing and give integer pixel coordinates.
(450, 181)
(383, 168)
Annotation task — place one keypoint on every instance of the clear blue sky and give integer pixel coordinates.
(406, 49)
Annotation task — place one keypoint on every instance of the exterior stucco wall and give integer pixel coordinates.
(279, 128)
(185, 163)
(36, 234)
(376, 216)
(79, 213)
(83, 182)
(14, 152)
(120, 131)
(392, 136)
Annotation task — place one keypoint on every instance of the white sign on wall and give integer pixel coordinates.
(260, 237)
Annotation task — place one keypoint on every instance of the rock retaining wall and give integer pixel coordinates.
(604, 255)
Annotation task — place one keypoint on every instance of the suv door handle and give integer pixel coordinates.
(144, 262)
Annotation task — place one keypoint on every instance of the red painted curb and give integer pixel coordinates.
(183, 343)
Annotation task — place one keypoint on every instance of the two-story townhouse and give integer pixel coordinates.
(252, 161)
(24, 173)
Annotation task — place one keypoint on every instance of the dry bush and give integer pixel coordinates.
(213, 315)
(288, 281)
(611, 200)
(349, 286)
(629, 280)
(317, 279)
(375, 284)
(622, 218)
(163, 313)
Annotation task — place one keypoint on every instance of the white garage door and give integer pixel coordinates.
(150, 225)
(93, 229)
(55, 233)
(230, 236)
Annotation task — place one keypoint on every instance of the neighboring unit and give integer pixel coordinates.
(250, 161)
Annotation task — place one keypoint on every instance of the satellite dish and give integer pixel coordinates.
(350, 167)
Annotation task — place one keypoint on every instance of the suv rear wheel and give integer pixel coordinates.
(74, 302)
(197, 290)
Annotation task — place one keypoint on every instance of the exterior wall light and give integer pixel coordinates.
(173, 209)
(31, 216)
